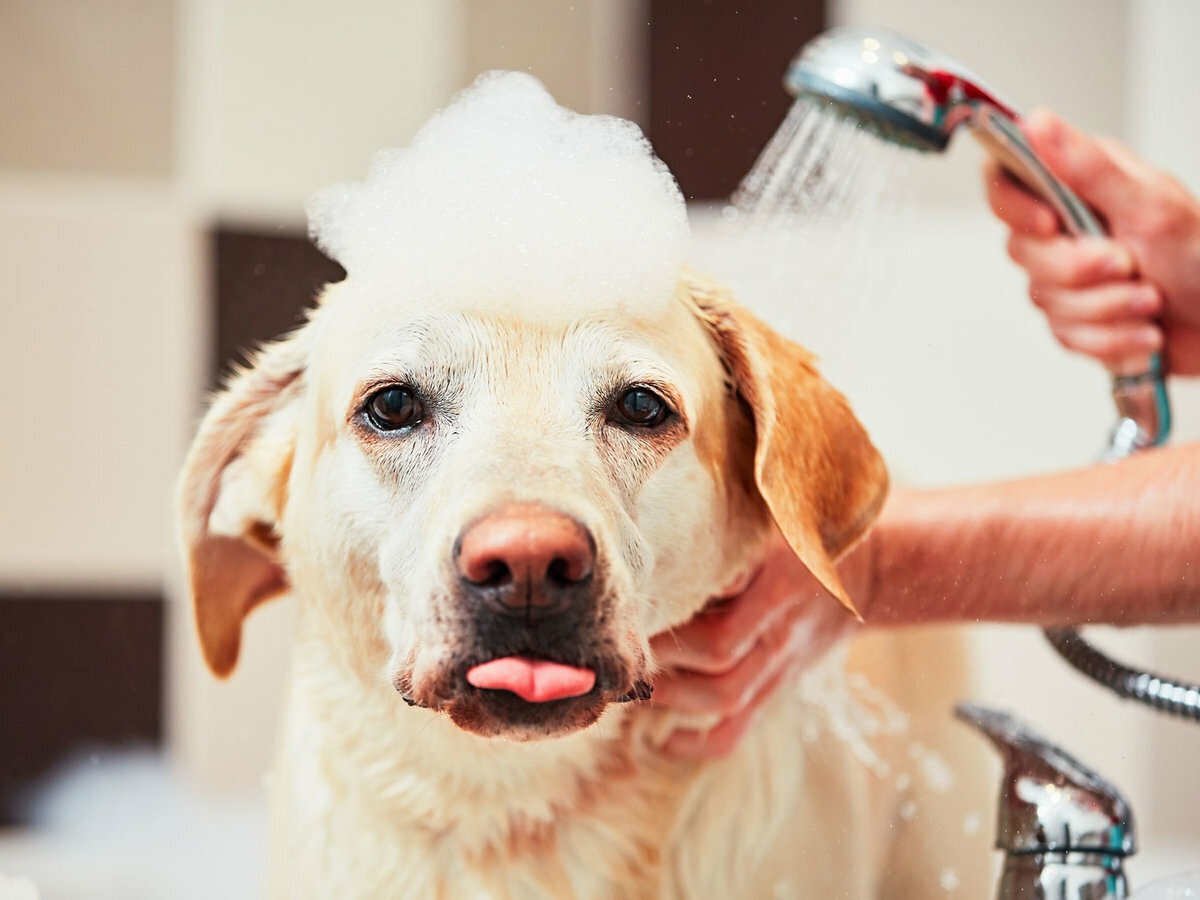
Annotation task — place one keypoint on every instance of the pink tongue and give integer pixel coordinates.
(534, 680)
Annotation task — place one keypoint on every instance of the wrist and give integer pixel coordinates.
(894, 570)
(857, 570)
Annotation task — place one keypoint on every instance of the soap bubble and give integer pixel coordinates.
(506, 197)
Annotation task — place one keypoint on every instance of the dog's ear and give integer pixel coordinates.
(232, 492)
(822, 479)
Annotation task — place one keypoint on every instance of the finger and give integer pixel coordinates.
(1113, 343)
(716, 641)
(720, 741)
(728, 693)
(1111, 302)
(1072, 261)
(1084, 163)
(1015, 206)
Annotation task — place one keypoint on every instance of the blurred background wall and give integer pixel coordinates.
(155, 156)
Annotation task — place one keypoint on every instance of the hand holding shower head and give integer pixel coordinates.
(909, 94)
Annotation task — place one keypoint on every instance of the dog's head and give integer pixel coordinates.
(494, 512)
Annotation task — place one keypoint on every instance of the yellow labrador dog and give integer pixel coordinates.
(485, 512)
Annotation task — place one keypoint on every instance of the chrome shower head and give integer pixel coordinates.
(911, 95)
(906, 92)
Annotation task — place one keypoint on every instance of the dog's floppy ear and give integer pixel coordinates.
(822, 479)
(231, 497)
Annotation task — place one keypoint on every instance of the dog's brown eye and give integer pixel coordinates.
(641, 406)
(393, 408)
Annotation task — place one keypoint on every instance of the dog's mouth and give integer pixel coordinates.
(526, 696)
(529, 676)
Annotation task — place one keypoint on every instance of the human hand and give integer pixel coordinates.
(732, 655)
(1102, 295)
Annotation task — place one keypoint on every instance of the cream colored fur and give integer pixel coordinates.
(284, 490)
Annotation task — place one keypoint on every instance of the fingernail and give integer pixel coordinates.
(1118, 263)
(1038, 117)
(1043, 123)
(739, 584)
(1148, 337)
(1145, 301)
(1045, 222)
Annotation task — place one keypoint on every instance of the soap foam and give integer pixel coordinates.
(506, 197)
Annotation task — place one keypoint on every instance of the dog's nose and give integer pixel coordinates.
(525, 560)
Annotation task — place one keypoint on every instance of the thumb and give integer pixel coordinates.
(1083, 163)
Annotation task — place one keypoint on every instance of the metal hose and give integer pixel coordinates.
(1164, 694)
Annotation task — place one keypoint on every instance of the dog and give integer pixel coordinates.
(485, 513)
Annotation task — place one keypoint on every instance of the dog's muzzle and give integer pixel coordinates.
(538, 656)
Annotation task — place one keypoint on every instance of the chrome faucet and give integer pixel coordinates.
(1064, 830)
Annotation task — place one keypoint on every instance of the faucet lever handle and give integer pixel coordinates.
(1049, 801)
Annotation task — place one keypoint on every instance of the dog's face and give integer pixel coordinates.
(495, 511)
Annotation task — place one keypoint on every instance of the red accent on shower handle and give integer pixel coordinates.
(940, 82)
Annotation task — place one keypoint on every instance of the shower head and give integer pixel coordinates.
(904, 91)
(911, 95)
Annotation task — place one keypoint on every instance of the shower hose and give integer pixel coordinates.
(1164, 694)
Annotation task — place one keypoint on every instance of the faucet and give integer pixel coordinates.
(1065, 831)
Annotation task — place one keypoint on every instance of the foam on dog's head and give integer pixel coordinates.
(507, 198)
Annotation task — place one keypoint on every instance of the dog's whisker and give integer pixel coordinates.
(425, 726)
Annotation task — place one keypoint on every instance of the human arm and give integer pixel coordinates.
(1117, 544)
